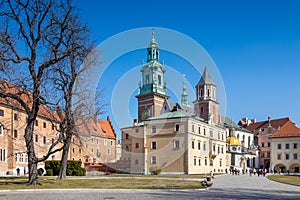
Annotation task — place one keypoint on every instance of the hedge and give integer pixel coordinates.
(73, 168)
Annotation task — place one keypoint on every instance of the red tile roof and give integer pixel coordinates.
(275, 123)
(107, 128)
(26, 96)
(91, 127)
(289, 129)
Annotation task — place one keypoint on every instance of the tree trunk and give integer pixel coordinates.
(64, 160)
(32, 159)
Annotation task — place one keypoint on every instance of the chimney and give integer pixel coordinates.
(269, 121)
(253, 120)
(135, 122)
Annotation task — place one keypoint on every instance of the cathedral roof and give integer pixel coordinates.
(234, 141)
(205, 78)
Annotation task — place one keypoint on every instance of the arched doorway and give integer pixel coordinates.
(280, 168)
(294, 168)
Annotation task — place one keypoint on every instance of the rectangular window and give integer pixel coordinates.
(268, 144)
(193, 128)
(222, 149)
(108, 151)
(279, 156)
(268, 154)
(193, 144)
(153, 129)
(153, 160)
(98, 152)
(44, 139)
(79, 150)
(44, 124)
(127, 148)
(53, 126)
(137, 145)
(92, 150)
(97, 141)
(287, 146)
(1, 130)
(262, 144)
(176, 144)
(278, 146)
(295, 156)
(199, 145)
(199, 130)
(205, 161)
(220, 163)
(195, 161)
(199, 162)
(153, 145)
(159, 79)
(15, 133)
(2, 113)
(211, 162)
(204, 146)
(211, 134)
(36, 138)
(16, 117)
(105, 142)
(92, 140)
(126, 136)
(262, 155)
(295, 146)
(36, 122)
(287, 156)
(176, 127)
(204, 131)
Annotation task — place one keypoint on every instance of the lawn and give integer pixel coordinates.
(101, 183)
(289, 179)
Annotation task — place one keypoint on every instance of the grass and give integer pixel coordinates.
(100, 183)
(288, 179)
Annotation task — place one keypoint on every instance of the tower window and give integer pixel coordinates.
(201, 110)
(201, 93)
(208, 92)
(159, 79)
(147, 79)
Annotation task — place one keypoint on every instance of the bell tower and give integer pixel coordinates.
(206, 105)
(152, 90)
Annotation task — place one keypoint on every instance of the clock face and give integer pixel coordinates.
(145, 113)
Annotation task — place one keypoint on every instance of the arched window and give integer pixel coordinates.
(243, 138)
(208, 92)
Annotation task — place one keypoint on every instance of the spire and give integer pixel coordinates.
(184, 94)
(153, 50)
(206, 79)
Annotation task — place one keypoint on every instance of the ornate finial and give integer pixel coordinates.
(153, 33)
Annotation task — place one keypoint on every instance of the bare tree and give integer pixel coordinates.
(33, 39)
(65, 77)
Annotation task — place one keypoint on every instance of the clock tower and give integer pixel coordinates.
(152, 90)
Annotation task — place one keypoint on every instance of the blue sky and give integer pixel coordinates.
(255, 44)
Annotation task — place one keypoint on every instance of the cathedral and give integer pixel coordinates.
(170, 137)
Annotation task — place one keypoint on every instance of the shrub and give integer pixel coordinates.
(73, 167)
(49, 172)
(155, 170)
(40, 171)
